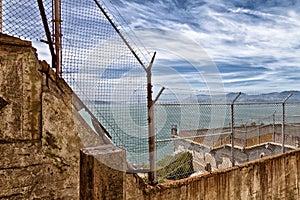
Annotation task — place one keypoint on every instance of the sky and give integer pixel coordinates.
(252, 46)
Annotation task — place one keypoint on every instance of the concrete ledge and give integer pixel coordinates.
(274, 177)
(12, 41)
(102, 173)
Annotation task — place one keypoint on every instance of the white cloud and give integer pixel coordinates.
(231, 33)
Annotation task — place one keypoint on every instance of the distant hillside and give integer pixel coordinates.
(266, 97)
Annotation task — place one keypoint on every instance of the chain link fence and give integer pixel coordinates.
(98, 63)
(105, 75)
(214, 136)
(22, 19)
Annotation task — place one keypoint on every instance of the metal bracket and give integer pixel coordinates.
(2, 103)
(287, 98)
(158, 95)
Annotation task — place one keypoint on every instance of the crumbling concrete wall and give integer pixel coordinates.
(274, 177)
(41, 131)
(220, 157)
(102, 173)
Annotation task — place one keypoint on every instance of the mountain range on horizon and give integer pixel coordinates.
(276, 97)
(264, 97)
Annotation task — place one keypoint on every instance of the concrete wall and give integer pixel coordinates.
(102, 173)
(274, 177)
(220, 157)
(41, 131)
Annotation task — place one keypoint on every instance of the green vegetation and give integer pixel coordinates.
(175, 167)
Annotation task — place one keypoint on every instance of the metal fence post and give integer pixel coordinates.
(283, 122)
(245, 136)
(57, 36)
(232, 128)
(274, 126)
(151, 125)
(151, 135)
(47, 31)
(259, 133)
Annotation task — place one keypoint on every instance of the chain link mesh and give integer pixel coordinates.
(22, 18)
(106, 76)
(257, 131)
(292, 124)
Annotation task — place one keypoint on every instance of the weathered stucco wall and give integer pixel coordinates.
(41, 132)
(220, 157)
(274, 177)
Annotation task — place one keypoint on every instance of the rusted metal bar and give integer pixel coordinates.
(57, 36)
(47, 31)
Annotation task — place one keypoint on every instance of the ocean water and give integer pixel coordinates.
(129, 129)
